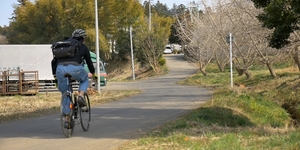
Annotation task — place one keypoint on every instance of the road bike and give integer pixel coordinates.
(77, 115)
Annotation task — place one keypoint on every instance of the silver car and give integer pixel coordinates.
(168, 50)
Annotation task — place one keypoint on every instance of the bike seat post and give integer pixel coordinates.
(69, 84)
(68, 81)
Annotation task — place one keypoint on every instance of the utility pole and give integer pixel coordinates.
(231, 77)
(132, 59)
(97, 46)
(230, 40)
(149, 15)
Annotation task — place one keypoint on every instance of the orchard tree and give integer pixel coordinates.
(206, 34)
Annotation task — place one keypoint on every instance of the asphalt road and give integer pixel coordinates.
(113, 123)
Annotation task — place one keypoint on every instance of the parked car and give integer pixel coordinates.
(168, 50)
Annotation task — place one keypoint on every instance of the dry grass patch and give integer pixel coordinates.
(122, 71)
(19, 107)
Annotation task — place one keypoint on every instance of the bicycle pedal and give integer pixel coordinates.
(84, 110)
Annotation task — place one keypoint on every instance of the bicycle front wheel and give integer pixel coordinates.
(66, 118)
(85, 114)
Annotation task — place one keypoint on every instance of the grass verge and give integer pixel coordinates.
(249, 116)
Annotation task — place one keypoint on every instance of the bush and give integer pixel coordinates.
(161, 61)
(176, 51)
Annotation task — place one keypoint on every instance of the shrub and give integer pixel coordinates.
(161, 61)
(176, 51)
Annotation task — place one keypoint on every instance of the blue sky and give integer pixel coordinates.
(6, 8)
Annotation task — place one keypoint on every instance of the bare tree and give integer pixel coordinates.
(150, 52)
(217, 31)
(193, 30)
(294, 47)
(206, 34)
(255, 36)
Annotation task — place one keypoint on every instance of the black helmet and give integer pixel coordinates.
(79, 33)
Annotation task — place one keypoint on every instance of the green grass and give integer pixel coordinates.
(255, 116)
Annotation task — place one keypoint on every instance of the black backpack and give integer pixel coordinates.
(67, 48)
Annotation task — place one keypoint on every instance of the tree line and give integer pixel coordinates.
(47, 21)
(260, 35)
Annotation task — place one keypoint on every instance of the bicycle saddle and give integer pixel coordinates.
(67, 75)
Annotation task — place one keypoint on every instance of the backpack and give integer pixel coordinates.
(67, 48)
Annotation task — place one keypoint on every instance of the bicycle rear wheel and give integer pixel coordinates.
(85, 114)
(68, 131)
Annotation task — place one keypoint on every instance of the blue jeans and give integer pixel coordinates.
(78, 73)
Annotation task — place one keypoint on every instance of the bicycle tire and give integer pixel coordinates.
(85, 114)
(68, 132)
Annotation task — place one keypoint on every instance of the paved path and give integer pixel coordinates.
(113, 123)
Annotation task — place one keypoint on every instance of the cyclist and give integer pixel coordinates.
(74, 67)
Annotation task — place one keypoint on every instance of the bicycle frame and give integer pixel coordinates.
(81, 114)
(73, 98)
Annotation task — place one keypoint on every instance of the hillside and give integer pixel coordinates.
(122, 71)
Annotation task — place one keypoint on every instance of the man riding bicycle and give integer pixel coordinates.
(74, 67)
